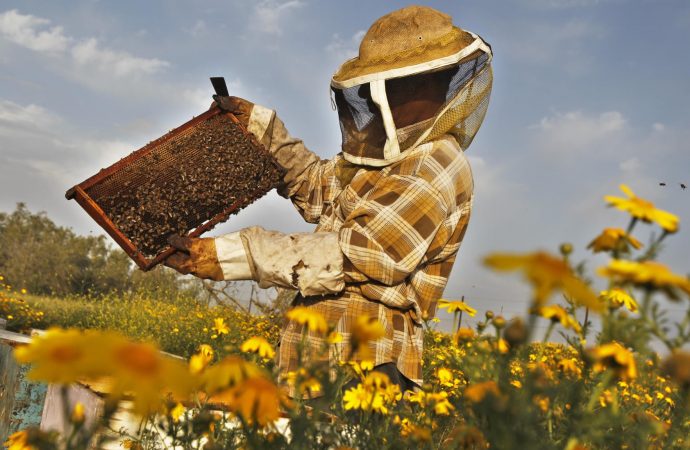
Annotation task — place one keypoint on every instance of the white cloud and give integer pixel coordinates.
(343, 49)
(120, 64)
(269, 15)
(198, 29)
(631, 165)
(81, 56)
(25, 30)
(39, 142)
(13, 114)
(575, 133)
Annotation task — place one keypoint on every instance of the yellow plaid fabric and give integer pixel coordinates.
(399, 228)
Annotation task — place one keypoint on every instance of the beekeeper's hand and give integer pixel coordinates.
(239, 107)
(196, 256)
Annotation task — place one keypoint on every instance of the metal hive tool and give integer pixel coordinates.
(184, 182)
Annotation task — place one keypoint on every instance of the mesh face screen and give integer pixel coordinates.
(427, 94)
(185, 181)
(360, 122)
(466, 111)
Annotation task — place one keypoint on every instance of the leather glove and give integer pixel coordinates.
(239, 107)
(195, 256)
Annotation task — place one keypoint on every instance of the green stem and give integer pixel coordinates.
(594, 398)
(631, 225)
(549, 330)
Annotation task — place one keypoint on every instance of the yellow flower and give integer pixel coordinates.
(542, 402)
(502, 346)
(409, 429)
(177, 412)
(364, 330)
(616, 357)
(30, 439)
(220, 326)
(618, 297)
(310, 385)
(314, 321)
(23, 291)
(557, 313)
(643, 209)
(569, 366)
(334, 338)
(463, 334)
(456, 306)
(356, 398)
(256, 400)
(78, 413)
(374, 393)
(362, 367)
(445, 377)
(258, 345)
(134, 445)
(547, 274)
(140, 369)
(61, 356)
(442, 406)
(647, 273)
(200, 360)
(478, 391)
(611, 239)
(230, 371)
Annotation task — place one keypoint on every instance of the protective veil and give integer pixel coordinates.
(400, 57)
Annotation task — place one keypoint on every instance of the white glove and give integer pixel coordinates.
(309, 262)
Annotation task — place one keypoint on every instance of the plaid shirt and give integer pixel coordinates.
(400, 228)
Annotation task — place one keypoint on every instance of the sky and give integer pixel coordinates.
(588, 94)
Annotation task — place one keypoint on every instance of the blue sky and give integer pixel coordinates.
(588, 94)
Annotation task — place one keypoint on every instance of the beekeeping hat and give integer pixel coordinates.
(401, 55)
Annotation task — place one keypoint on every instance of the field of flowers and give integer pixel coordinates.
(495, 385)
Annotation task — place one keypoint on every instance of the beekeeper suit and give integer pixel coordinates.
(391, 209)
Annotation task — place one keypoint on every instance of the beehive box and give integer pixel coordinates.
(185, 183)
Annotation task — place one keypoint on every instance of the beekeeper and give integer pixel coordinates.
(391, 208)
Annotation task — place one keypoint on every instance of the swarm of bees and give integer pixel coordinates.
(185, 182)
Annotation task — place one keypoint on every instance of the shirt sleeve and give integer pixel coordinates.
(388, 236)
(307, 178)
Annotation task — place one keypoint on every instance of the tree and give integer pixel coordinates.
(44, 258)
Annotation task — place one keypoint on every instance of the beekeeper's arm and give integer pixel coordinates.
(381, 242)
(307, 181)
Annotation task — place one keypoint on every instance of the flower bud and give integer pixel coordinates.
(677, 367)
(566, 248)
(489, 315)
(515, 333)
(499, 322)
